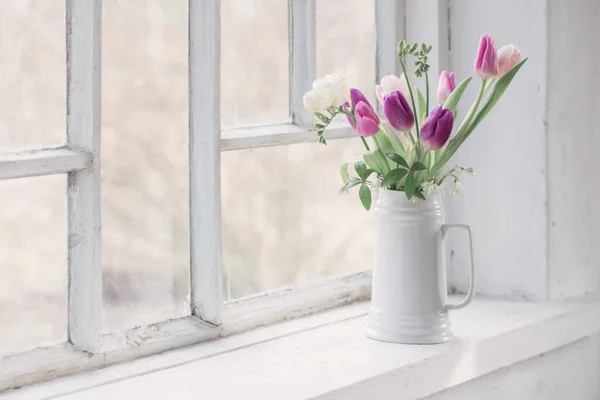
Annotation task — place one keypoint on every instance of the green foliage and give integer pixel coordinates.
(422, 105)
(497, 92)
(398, 159)
(410, 186)
(350, 183)
(419, 195)
(365, 196)
(451, 102)
(323, 122)
(344, 172)
(394, 140)
(418, 166)
(393, 177)
(362, 171)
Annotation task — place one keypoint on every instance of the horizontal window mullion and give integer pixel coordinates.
(279, 135)
(42, 162)
(283, 304)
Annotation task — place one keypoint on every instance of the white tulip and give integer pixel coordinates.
(392, 83)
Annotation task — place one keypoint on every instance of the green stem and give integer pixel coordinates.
(351, 115)
(462, 133)
(365, 142)
(377, 141)
(412, 98)
(467, 121)
(426, 94)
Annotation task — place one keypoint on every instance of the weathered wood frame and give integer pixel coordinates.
(87, 347)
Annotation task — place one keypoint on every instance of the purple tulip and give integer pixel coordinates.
(486, 63)
(398, 112)
(356, 96)
(367, 121)
(446, 86)
(437, 128)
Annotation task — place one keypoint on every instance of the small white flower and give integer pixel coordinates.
(430, 188)
(470, 170)
(326, 92)
(455, 188)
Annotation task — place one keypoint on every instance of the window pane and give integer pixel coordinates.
(144, 162)
(346, 42)
(32, 71)
(284, 221)
(254, 62)
(33, 262)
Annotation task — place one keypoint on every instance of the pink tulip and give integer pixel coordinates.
(356, 96)
(508, 57)
(446, 86)
(367, 121)
(486, 63)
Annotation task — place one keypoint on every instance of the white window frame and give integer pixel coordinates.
(87, 346)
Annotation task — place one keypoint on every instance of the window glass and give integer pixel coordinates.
(145, 240)
(33, 262)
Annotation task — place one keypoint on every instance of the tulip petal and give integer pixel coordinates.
(486, 62)
(437, 128)
(398, 111)
(367, 121)
(379, 94)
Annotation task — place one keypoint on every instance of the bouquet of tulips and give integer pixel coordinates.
(410, 151)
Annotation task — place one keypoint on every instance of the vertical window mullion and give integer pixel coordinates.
(303, 43)
(389, 22)
(205, 178)
(83, 197)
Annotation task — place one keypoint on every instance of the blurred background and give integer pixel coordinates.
(279, 223)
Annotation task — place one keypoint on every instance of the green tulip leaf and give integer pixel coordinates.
(394, 140)
(422, 107)
(497, 92)
(372, 162)
(452, 101)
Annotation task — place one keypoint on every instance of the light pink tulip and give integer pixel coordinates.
(446, 85)
(486, 63)
(508, 57)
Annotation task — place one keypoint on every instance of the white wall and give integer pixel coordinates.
(532, 203)
(573, 146)
(571, 372)
(505, 202)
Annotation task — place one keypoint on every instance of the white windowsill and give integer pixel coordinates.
(327, 356)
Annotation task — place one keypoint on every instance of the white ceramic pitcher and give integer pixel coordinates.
(409, 294)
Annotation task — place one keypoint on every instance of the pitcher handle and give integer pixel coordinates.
(469, 297)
